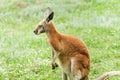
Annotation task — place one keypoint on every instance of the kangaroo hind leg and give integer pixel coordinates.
(75, 71)
(78, 71)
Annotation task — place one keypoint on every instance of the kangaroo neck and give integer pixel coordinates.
(51, 30)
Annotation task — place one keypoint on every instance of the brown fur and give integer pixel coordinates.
(69, 47)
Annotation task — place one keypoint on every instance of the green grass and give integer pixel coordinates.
(25, 56)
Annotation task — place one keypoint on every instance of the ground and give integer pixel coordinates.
(25, 56)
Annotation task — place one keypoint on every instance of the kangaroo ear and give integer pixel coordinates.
(47, 12)
(50, 17)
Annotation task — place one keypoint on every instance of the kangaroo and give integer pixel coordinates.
(71, 52)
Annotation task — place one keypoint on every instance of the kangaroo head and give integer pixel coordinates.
(44, 24)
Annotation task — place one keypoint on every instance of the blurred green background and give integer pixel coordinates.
(25, 56)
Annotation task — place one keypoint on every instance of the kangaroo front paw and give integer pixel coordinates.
(54, 65)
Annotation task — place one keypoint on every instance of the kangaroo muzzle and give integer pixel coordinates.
(35, 31)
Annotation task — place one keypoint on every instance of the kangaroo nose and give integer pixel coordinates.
(35, 31)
